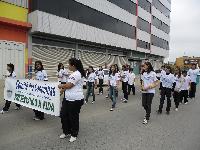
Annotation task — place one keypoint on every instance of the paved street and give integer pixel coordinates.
(101, 129)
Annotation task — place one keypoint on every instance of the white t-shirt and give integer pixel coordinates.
(131, 78)
(149, 78)
(186, 83)
(8, 74)
(113, 79)
(179, 82)
(76, 92)
(100, 74)
(167, 80)
(62, 75)
(41, 75)
(193, 74)
(162, 73)
(124, 76)
(92, 77)
(118, 75)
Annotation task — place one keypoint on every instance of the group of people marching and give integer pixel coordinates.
(177, 84)
(126, 76)
(71, 86)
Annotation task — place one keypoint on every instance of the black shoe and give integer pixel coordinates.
(167, 112)
(159, 112)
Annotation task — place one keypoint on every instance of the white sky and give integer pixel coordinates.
(185, 28)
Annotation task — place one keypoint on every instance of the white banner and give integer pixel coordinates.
(34, 94)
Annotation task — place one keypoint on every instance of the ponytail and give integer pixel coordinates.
(78, 64)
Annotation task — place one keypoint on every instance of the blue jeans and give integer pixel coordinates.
(112, 95)
(90, 89)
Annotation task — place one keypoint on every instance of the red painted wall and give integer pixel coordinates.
(12, 33)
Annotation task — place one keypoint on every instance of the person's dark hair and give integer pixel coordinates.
(59, 66)
(163, 66)
(115, 71)
(116, 67)
(169, 68)
(124, 66)
(193, 64)
(12, 67)
(38, 62)
(184, 72)
(130, 69)
(78, 65)
(150, 68)
(88, 73)
(100, 68)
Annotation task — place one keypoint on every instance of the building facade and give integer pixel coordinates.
(186, 62)
(99, 32)
(14, 36)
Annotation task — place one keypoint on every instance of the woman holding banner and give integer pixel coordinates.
(73, 100)
(40, 74)
(10, 74)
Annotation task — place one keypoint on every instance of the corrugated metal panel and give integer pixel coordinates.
(92, 59)
(12, 52)
(21, 3)
(50, 57)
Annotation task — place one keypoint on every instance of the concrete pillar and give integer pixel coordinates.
(30, 47)
(76, 52)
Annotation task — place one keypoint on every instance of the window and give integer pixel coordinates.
(159, 42)
(145, 4)
(144, 25)
(143, 44)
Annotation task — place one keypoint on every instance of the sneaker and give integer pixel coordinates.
(85, 102)
(17, 108)
(125, 101)
(176, 109)
(101, 93)
(167, 112)
(98, 93)
(186, 103)
(3, 111)
(62, 136)
(111, 109)
(92, 102)
(106, 96)
(36, 118)
(145, 121)
(72, 139)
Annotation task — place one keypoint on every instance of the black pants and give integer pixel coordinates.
(7, 105)
(100, 85)
(146, 103)
(192, 90)
(90, 89)
(176, 96)
(184, 95)
(165, 92)
(131, 87)
(70, 116)
(125, 89)
(160, 86)
(39, 114)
